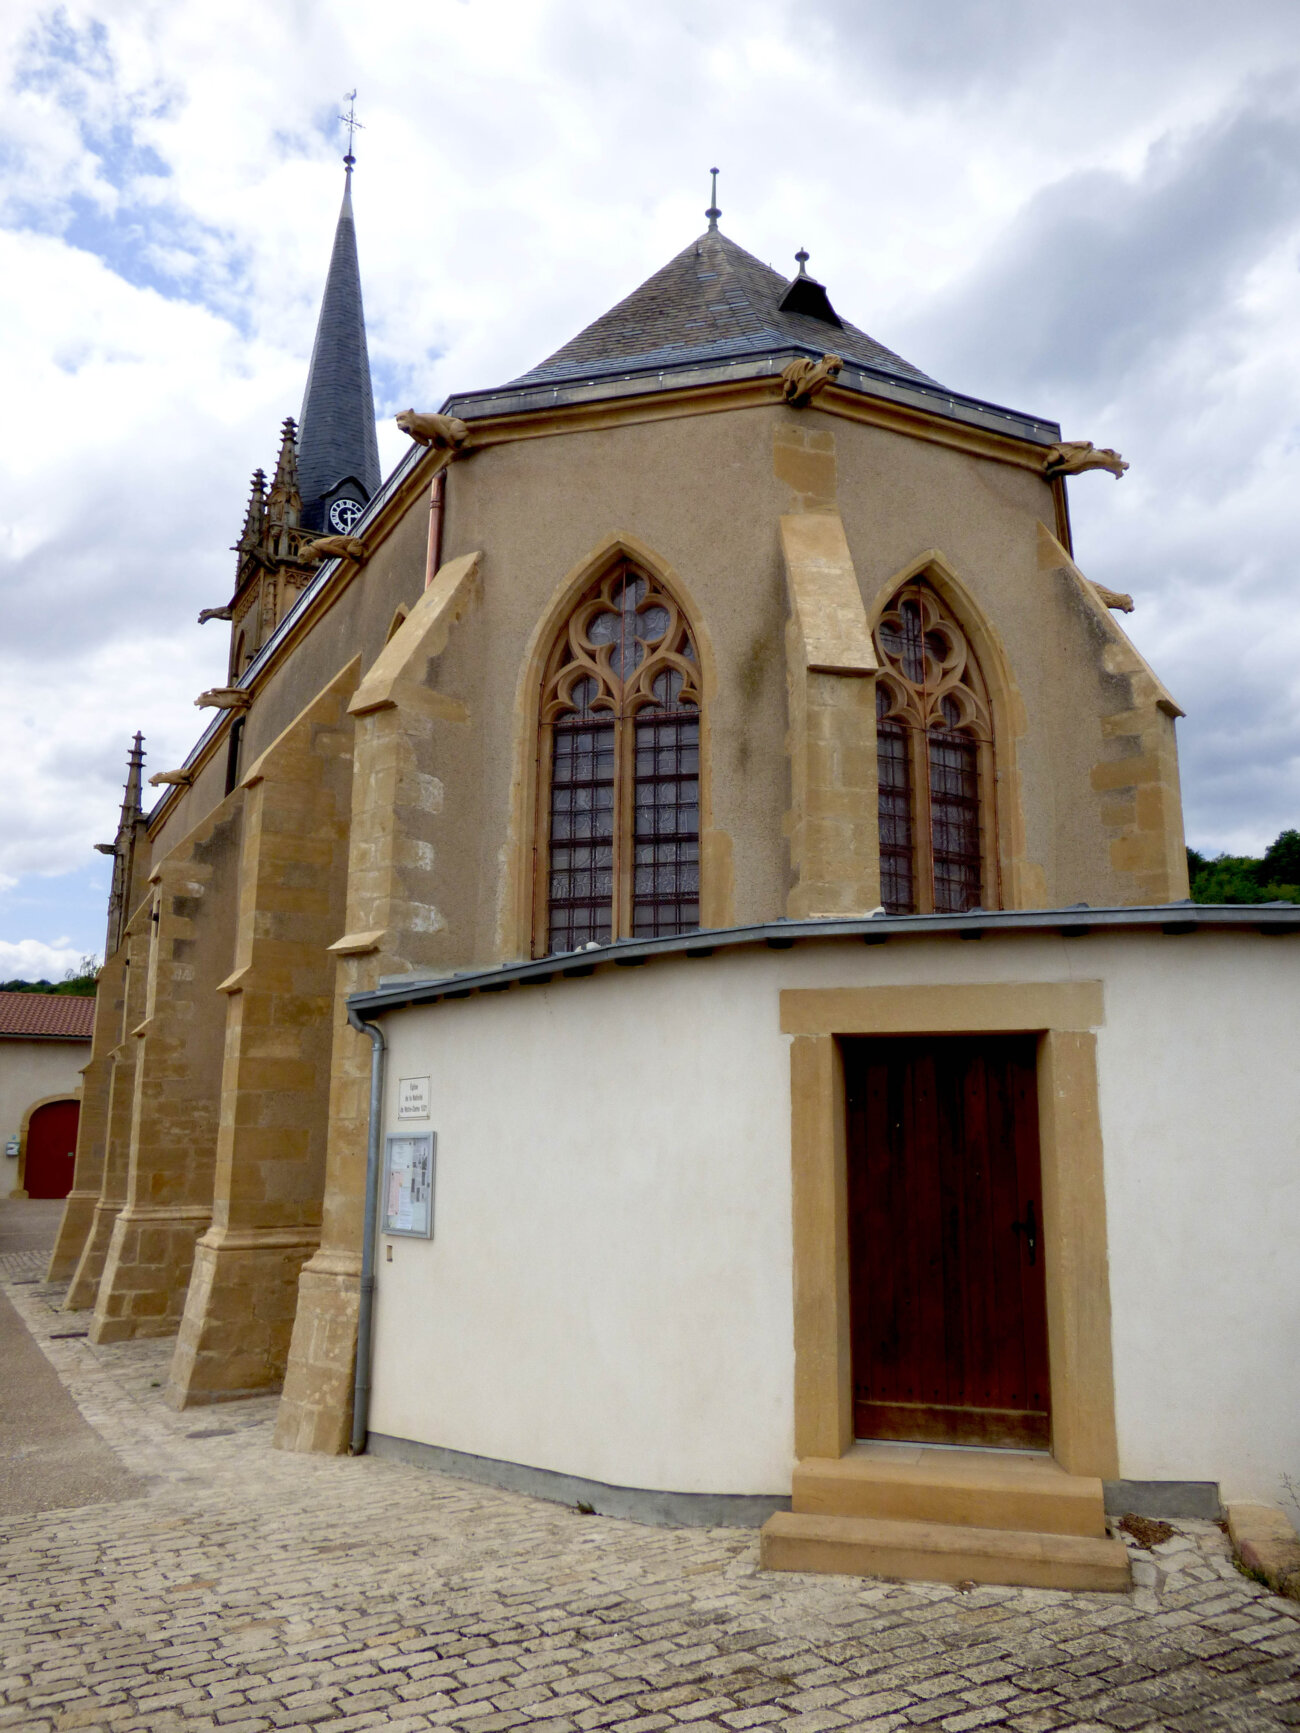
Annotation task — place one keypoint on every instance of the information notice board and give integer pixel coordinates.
(408, 1184)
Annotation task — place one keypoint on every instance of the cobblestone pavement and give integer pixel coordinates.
(246, 1589)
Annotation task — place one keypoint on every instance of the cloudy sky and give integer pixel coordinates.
(1092, 213)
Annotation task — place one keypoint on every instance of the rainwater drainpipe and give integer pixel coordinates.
(361, 1380)
(433, 558)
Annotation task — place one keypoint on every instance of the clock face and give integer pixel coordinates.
(343, 514)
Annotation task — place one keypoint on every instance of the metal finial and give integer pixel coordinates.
(802, 257)
(353, 125)
(713, 213)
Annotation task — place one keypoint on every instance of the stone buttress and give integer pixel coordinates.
(270, 1152)
(133, 953)
(392, 919)
(176, 1107)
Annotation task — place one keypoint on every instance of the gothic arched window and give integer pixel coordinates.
(619, 807)
(934, 741)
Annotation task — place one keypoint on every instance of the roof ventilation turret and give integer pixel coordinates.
(806, 295)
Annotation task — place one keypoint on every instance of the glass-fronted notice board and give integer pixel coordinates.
(408, 1184)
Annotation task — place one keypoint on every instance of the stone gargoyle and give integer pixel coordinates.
(207, 614)
(804, 378)
(334, 548)
(224, 698)
(1118, 599)
(442, 432)
(1073, 456)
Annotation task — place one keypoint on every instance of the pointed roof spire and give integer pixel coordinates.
(285, 502)
(713, 302)
(255, 517)
(336, 437)
(132, 803)
(122, 847)
(713, 213)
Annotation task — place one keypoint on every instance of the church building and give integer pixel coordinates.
(667, 980)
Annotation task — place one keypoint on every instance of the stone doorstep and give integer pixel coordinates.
(981, 1516)
(988, 1489)
(941, 1552)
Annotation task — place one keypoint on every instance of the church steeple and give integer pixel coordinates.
(328, 466)
(338, 456)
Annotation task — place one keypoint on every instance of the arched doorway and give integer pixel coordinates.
(51, 1146)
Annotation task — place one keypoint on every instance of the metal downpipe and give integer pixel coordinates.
(365, 1316)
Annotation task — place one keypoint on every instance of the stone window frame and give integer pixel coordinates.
(1019, 881)
(585, 678)
(911, 705)
(517, 930)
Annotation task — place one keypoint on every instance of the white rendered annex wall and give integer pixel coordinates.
(608, 1292)
(31, 1070)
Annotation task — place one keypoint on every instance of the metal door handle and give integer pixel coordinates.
(1029, 1227)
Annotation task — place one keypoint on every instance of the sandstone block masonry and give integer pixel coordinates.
(270, 1152)
(176, 1106)
(392, 924)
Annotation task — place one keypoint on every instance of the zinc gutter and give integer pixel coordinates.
(1174, 919)
(606, 386)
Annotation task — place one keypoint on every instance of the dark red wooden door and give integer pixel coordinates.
(945, 1240)
(51, 1148)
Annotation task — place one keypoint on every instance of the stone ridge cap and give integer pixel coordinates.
(721, 369)
(1076, 920)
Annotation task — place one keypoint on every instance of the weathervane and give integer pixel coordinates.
(713, 213)
(353, 125)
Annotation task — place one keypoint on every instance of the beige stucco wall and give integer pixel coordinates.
(702, 494)
(31, 1070)
(608, 1289)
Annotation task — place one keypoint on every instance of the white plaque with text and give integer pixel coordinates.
(413, 1098)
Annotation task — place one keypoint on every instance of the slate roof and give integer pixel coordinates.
(46, 1016)
(712, 302)
(336, 431)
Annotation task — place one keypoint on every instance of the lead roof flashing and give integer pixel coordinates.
(396, 992)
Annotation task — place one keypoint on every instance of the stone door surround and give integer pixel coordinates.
(1063, 1015)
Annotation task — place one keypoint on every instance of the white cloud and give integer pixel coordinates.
(1015, 202)
(30, 960)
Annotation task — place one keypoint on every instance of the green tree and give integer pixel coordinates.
(79, 982)
(1234, 878)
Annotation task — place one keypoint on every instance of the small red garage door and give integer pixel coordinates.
(51, 1148)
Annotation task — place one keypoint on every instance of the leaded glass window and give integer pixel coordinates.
(620, 759)
(934, 744)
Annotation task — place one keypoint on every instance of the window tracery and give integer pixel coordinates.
(934, 738)
(620, 762)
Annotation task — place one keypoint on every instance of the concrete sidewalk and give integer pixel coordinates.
(234, 1588)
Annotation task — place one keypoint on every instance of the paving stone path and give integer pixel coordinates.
(245, 1589)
